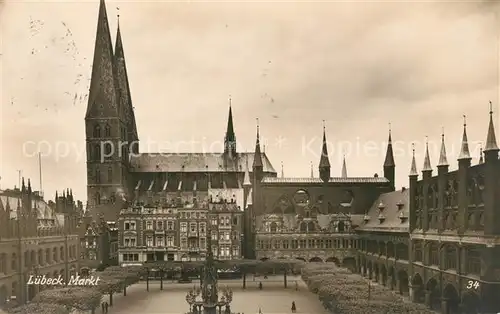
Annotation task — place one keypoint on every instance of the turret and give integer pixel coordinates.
(344, 168)
(426, 176)
(389, 165)
(324, 162)
(413, 191)
(257, 166)
(464, 162)
(491, 196)
(442, 180)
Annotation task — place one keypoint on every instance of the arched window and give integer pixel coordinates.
(97, 176)
(98, 198)
(473, 261)
(273, 227)
(417, 247)
(13, 263)
(110, 174)
(107, 130)
(97, 152)
(97, 130)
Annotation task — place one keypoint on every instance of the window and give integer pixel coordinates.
(130, 257)
(159, 241)
(473, 262)
(192, 227)
(92, 256)
(107, 130)
(184, 243)
(149, 225)
(97, 152)
(203, 243)
(214, 221)
(202, 227)
(226, 219)
(285, 244)
(97, 130)
(159, 225)
(434, 254)
(295, 244)
(184, 226)
(97, 176)
(170, 225)
(214, 250)
(149, 241)
(227, 251)
(170, 241)
(235, 235)
(450, 260)
(235, 220)
(110, 174)
(132, 225)
(214, 235)
(274, 227)
(226, 236)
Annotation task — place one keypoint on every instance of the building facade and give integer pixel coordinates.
(180, 232)
(35, 239)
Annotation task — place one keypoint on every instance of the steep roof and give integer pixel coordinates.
(193, 162)
(387, 205)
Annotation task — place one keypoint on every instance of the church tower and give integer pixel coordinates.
(106, 127)
(389, 165)
(230, 138)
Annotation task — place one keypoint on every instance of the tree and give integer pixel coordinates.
(110, 284)
(80, 298)
(40, 308)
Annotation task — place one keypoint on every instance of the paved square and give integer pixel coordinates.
(273, 299)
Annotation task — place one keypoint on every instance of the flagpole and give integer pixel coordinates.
(40, 172)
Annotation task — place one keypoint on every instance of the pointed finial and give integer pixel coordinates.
(491, 108)
(465, 120)
(282, 171)
(413, 168)
(324, 125)
(118, 13)
(491, 141)
(442, 132)
(230, 100)
(390, 128)
(257, 119)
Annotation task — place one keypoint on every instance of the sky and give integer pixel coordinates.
(417, 67)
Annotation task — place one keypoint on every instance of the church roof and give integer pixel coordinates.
(193, 162)
(389, 213)
(319, 181)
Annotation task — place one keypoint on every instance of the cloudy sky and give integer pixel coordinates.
(358, 65)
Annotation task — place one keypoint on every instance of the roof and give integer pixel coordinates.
(193, 162)
(44, 210)
(348, 180)
(392, 206)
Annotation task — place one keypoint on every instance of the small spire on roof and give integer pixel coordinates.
(443, 160)
(491, 141)
(427, 159)
(344, 168)
(413, 169)
(464, 151)
(312, 172)
(282, 171)
(481, 160)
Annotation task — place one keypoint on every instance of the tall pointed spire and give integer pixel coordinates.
(413, 169)
(427, 160)
(389, 155)
(230, 138)
(282, 171)
(324, 162)
(246, 178)
(257, 159)
(443, 160)
(481, 160)
(491, 140)
(124, 86)
(464, 151)
(102, 92)
(344, 168)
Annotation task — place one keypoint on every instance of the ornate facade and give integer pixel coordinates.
(35, 239)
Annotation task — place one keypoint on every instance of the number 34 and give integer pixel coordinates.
(472, 284)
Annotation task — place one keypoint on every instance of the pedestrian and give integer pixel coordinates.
(260, 285)
(260, 310)
(106, 305)
(294, 308)
(102, 307)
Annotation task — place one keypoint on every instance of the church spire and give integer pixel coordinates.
(464, 151)
(344, 168)
(257, 159)
(102, 90)
(427, 159)
(413, 169)
(230, 138)
(324, 162)
(282, 171)
(491, 140)
(481, 160)
(389, 155)
(443, 160)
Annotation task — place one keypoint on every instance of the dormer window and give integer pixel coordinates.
(400, 205)
(403, 217)
(381, 206)
(366, 218)
(381, 218)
